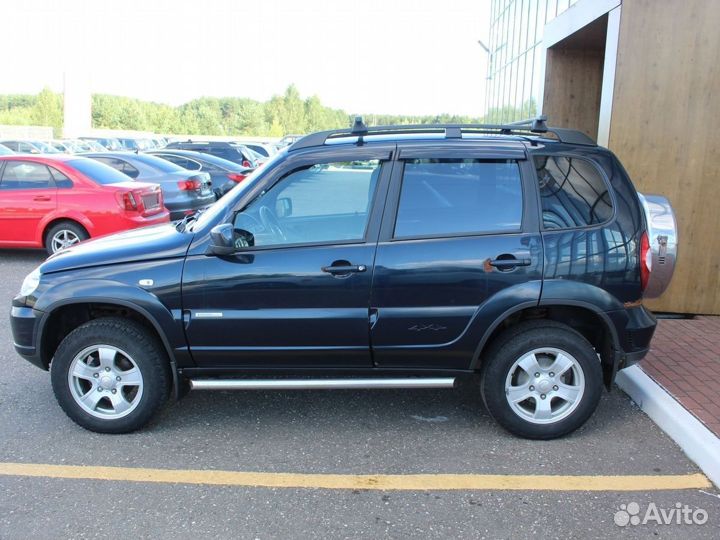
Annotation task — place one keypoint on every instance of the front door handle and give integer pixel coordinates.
(41, 198)
(340, 268)
(508, 262)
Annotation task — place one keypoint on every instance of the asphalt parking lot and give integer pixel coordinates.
(346, 433)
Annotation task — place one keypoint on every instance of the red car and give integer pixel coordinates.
(56, 201)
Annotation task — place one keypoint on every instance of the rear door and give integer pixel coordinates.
(27, 194)
(459, 246)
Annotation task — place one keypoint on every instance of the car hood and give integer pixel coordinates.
(144, 244)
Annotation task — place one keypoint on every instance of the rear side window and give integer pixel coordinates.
(573, 193)
(26, 175)
(159, 164)
(446, 197)
(183, 162)
(98, 172)
(119, 165)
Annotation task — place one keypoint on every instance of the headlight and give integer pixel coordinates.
(30, 283)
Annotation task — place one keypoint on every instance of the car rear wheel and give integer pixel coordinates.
(110, 375)
(63, 235)
(541, 380)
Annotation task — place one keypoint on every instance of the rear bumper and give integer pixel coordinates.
(24, 323)
(133, 222)
(636, 335)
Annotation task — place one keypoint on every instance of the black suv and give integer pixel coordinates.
(384, 257)
(237, 153)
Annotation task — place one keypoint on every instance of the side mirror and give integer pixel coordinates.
(222, 240)
(283, 207)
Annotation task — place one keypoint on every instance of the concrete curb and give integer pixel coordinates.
(698, 442)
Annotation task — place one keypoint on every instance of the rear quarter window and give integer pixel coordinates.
(573, 192)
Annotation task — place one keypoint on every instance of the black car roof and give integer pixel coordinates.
(200, 156)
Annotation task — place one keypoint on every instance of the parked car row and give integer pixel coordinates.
(55, 194)
(53, 202)
(132, 144)
(230, 151)
(185, 192)
(224, 174)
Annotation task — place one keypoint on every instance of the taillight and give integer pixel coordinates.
(246, 164)
(236, 177)
(127, 201)
(645, 260)
(189, 185)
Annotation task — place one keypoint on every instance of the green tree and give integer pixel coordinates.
(48, 110)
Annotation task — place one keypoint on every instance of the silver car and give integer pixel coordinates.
(185, 192)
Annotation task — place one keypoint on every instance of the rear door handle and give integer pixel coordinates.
(41, 198)
(508, 263)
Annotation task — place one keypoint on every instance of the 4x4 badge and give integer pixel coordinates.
(421, 327)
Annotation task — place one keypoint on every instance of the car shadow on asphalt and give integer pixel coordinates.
(30, 256)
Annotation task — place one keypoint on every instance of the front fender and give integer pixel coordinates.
(167, 323)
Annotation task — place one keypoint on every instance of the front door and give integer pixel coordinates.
(459, 246)
(296, 291)
(27, 194)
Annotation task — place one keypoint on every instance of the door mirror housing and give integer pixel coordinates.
(283, 207)
(222, 240)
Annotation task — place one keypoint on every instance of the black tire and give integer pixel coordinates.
(516, 343)
(64, 226)
(145, 351)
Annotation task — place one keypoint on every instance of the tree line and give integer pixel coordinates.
(280, 115)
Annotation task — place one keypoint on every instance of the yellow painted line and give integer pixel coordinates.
(382, 482)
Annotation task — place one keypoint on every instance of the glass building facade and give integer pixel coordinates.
(515, 67)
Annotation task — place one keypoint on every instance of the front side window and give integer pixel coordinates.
(26, 175)
(572, 192)
(323, 203)
(447, 197)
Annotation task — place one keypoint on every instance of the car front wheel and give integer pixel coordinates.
(110, 375)
(541, 380)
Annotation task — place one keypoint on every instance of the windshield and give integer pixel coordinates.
(232, 196)
(46, 148)
(98, 172)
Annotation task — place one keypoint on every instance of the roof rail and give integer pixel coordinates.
(532, 126)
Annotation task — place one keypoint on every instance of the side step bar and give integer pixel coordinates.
(319, 384)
